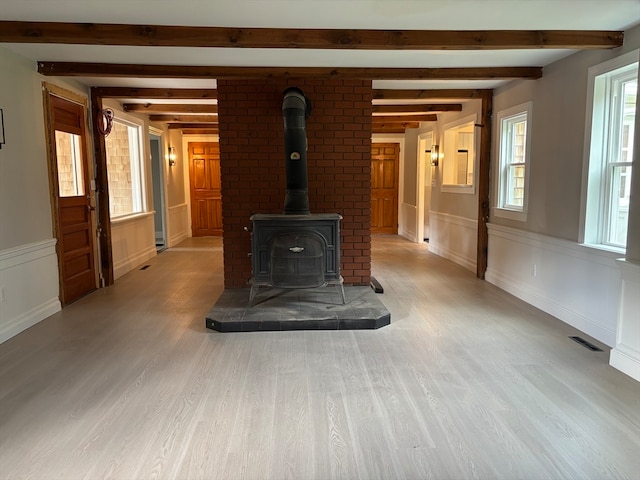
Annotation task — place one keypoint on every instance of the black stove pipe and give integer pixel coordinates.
(295, 110)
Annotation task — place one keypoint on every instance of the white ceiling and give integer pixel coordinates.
(354, 14)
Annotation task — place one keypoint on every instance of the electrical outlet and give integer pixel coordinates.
(534, 269)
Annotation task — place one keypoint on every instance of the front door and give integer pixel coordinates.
(206, 196)
(71, 198)
(385, 160)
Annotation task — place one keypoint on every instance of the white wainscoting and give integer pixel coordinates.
(132, 241)
(626, 354)
(577, 284)
(408, 222)
(29, 286)
(178, 224)
(455, 238)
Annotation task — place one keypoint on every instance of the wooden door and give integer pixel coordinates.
(385, 160)
(206, 197)
(72, 199)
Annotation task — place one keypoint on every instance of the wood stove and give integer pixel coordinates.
(296, 249)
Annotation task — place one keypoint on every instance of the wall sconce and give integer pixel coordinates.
(172, 156)
(435, 155)
(2, 140)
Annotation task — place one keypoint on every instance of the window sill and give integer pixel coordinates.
(520, 216)
(605, 248)
(130, 218)
(466, 189)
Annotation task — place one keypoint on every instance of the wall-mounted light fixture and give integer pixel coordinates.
(2, 140)
(172, 156)
(435, 155)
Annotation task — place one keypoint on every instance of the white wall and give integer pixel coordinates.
(540, 259)
(29, 285)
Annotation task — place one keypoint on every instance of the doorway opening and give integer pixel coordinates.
(157, 176)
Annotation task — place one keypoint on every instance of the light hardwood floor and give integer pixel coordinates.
(466, 382)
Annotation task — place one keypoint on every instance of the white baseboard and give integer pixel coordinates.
(454, 238)
(561, 312)
(27, 319)
(131, 262)
(626, 360)
(576, 284)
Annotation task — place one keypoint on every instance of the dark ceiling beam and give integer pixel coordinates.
(170, 108)
(158, 93)
(184, 118)
(387, 126)
(431, 107)
(200, 131)
(446, 93)
(390, 129)
(198, 36)
(403, 118)
(71, 69)
(182, 126)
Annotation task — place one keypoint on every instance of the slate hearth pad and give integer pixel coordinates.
(276, 309)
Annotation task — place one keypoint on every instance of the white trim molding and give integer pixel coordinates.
(625, 356)
(29, 286)
(576, 284)
(454, 238)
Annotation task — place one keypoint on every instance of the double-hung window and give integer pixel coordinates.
(614, 88)
(124, 169)
(514, 140)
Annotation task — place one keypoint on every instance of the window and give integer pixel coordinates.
(124, 170)
(459, 156)
(514, 140)
(614, 87)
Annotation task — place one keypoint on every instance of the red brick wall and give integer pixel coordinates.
(253, 165)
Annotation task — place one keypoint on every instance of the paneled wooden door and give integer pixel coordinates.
(71, 198)
(206, 197)
(385, 160)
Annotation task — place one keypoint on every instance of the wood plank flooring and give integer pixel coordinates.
(466, 382)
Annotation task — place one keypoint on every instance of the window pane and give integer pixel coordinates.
(69, 160)
(515, 185)
(619, 213)
(123, 170)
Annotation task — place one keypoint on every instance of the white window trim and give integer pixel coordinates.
(499, 210)
(138, 171)
(464, 189)
(590, 238)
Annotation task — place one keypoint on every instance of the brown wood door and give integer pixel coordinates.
(206, 197)
(385, 160)
(72, 200)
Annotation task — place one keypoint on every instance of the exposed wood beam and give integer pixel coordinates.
(71, 69)
(194, 36)
(449, 93)
(403, 118)
(170, 108)
(394, 125)
(153, 93)
(184, 118)
(387, 129)
(177, 126)
(431, 107)
(200, 131)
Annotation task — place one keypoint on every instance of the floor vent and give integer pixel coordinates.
(145, 267)
(586, 344)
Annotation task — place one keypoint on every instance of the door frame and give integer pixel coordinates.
(48, 90)
(424, 170)
(162, 165)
